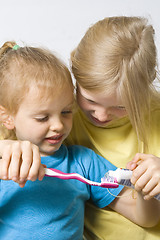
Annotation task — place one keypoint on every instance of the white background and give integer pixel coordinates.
(60, 24)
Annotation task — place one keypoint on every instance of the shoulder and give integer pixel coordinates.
(78, 150)
(82, 156)
(87, 158)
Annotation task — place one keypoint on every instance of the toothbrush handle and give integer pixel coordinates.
(51, 172)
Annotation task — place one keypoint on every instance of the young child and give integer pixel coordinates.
(36, 104)
(119, 112)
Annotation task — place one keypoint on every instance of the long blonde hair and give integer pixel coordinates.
(118, 54)
(25, 66)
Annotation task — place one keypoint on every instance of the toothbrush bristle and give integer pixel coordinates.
(109, 185)
(108, 182)
(108, 178)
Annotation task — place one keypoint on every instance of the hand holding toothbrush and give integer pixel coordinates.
(20, 161)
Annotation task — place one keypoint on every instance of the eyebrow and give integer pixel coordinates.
(87, 98)
(120, 106)
(44, 111)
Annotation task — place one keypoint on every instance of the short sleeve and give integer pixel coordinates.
(101, 197)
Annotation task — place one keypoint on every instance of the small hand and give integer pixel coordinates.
(146, 174)
(20, 162)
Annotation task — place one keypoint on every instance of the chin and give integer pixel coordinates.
(49, 152)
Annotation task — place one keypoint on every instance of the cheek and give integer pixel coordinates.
(83, 104)
(80, 101)
(32, 130)
(121, 113)
(69, 124)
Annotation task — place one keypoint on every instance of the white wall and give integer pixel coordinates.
(60, 24)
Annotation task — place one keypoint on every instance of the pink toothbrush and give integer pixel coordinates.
(51, 172)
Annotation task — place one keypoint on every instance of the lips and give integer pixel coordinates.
(54, 139)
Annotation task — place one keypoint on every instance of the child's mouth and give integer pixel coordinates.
(54, 139)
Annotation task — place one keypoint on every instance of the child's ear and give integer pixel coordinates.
(6, 119)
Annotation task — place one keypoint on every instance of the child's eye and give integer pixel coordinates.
(42, 119)
(91, 101)
(67, 112)
(120, 107)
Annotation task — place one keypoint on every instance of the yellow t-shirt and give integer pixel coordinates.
(118, 143)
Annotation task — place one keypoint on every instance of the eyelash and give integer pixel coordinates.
(121, 107)
(67, 112)
(90, 101)
(117, 107)
(44, 119)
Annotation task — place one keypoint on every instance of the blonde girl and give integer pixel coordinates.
(115, 65)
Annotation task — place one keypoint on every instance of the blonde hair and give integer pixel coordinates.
(118, 54)
(25, 66)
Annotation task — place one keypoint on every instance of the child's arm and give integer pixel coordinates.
(140, 208)
(146, 174)
(20, 161)
(145, 213)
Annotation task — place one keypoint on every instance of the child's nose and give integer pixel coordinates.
(56, 124)
(102, 114)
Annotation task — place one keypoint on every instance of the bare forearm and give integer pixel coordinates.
(145, 213)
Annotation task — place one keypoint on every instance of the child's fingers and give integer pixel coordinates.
(22, 184)
(36, 164)
(30, 162)
(131, 165)
(150, 165)
(27, 159)
(146, 176)
(137, 173)
(149, 187)
(15, 162)
(5, 161)
(152, 193)
(21, 161)
(145, 179)
(41, 172)
(140, 184)
(138, 158)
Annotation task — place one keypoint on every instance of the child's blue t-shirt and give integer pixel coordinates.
(54, 208)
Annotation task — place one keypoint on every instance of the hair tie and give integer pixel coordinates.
(15, 47)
